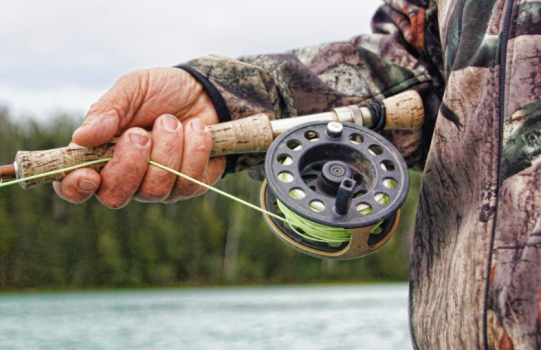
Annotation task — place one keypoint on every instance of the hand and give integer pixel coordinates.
(171, 103)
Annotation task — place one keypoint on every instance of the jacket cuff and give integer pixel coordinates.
(219, 105)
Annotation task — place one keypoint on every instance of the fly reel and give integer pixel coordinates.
(339, 175)
(338, 185)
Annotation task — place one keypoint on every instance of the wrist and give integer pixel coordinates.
(220, 107)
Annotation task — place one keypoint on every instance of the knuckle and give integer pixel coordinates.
(93, 107)
(129, 77)
(135, 78)
(152, 193)
(204, 146)
(201, 144)
(184, 189)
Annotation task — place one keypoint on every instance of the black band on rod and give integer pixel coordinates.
(377, 110)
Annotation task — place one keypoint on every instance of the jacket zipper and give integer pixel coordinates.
(501, 114)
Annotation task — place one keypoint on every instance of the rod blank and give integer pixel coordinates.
(7, 172)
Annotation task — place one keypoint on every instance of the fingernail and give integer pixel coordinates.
(139, 138)
(87, 185)
(198, 125)
(170, 123)
(86, 123)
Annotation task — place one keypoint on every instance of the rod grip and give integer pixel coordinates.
(246, 135)
(404, 111)
(251, 134)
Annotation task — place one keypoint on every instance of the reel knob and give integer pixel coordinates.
(340, 176)
(332, 175)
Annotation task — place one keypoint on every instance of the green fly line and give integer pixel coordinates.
(54, 172)
(317, 232)
(307, 229)
(84, 165)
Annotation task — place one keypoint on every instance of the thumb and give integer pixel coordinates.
(111, 112)
(97, 129)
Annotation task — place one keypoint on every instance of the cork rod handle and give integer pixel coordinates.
(252, 134)
(247, 135)
(404, 111)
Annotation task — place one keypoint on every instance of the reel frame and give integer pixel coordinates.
(305, 154)
(359, 245)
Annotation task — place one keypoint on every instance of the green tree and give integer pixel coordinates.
(46, 242)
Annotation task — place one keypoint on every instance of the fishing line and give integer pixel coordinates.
(305, 228)
(84, 165)
(313, 231)
(59, 171)
(225, 194)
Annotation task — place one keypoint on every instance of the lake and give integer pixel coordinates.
(297, 317)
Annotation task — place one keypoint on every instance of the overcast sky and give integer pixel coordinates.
(63, 55)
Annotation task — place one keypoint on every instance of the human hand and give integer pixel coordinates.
(177, 109)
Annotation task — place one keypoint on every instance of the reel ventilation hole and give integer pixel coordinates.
(340, 183)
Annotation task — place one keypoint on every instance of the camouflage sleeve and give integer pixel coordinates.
(403, 53)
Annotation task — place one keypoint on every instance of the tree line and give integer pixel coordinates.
(47, 243)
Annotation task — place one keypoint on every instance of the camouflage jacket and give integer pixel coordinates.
(476, 263)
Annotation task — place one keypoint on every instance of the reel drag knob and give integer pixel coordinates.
(342, 176)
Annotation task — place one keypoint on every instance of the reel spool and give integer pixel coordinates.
(336, 174)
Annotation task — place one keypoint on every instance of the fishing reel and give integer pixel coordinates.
(334, 187)
(339, 175)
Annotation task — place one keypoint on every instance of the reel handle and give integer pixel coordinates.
(251, 134)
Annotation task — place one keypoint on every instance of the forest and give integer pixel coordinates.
(49, 244)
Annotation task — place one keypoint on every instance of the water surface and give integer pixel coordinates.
(303, 317)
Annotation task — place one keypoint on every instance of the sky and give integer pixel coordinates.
(60, 55)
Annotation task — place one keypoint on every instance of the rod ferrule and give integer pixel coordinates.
(16, 170)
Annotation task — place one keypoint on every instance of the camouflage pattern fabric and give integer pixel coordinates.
(476, 260)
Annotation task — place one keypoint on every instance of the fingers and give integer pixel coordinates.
(139, 98)
(113, 110)
(215, 170)
(186, 149)
(197, 147)
(123, 174)
(136, 101)
(183, 148)
(167, 145)
(78, 185)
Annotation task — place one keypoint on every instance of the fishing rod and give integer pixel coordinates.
(334, 187)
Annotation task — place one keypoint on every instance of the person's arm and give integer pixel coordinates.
(403, 53)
